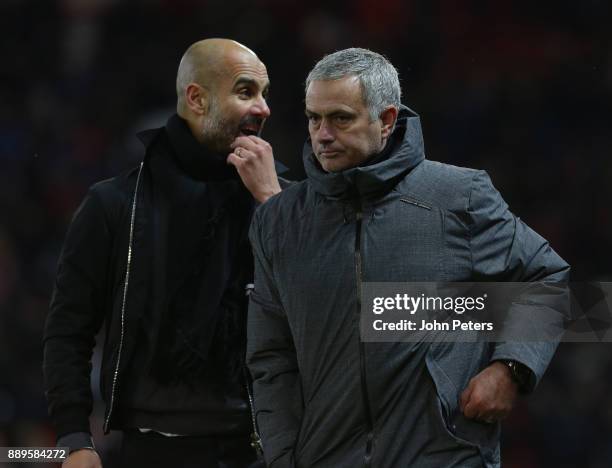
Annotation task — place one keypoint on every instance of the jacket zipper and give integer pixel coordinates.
(255, 438)
(125, 290)
(364, 387)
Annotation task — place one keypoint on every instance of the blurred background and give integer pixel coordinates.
(522, 89)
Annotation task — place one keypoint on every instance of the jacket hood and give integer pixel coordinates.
(380, 172)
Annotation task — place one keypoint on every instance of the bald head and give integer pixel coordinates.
(204, 62)
(221, 90)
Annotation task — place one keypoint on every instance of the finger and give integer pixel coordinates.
(470, 410)
(261, 143)
(255, 144)
(472, 407)
(245, 142)
(245, 154)
(465, 397)
(237, 142)
(257, 140)
(234, 160)
(489, 412)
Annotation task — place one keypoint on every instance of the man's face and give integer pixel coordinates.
(237, 101)
(342, 134)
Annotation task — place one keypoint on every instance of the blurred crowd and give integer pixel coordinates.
(522, 89)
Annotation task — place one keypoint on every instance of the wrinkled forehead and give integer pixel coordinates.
(326, 94)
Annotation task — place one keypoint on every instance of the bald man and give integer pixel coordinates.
(160, 256)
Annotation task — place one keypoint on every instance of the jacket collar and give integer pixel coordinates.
(404, 151)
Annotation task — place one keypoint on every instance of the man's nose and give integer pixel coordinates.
(325, 135)
(261, 108)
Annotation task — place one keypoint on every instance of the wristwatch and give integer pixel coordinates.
(521, 374)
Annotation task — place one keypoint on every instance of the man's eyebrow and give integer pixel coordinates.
(245, 80)
(337, 112)
(332, 113)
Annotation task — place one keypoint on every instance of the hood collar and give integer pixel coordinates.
(380, 172)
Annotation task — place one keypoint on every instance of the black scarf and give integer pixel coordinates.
(201, 260)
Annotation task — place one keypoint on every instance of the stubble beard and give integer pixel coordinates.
(217, 131)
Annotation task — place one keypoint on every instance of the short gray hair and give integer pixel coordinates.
(378, 77)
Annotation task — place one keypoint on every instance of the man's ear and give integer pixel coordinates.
(388, 118)
(196, 98)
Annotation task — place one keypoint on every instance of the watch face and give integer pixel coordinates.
(520, 374)
(515, 370)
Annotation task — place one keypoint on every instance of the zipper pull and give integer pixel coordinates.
(256, 444)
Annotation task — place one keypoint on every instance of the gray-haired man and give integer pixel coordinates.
(325, 398)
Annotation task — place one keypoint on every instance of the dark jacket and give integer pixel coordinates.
(164, 243)
(324, 398)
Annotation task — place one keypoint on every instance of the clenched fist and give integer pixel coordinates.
(490, 395)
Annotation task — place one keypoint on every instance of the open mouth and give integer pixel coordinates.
(251, 125)
(247, 131)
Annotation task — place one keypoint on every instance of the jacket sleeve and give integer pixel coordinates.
(75, 316)
(506, 249)
(272, 361)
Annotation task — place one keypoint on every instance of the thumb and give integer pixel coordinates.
(465, 397)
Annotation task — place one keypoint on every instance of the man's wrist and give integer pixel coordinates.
(76, 441)
(519, 373)
(263, 197)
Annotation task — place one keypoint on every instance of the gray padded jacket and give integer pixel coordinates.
(324, 398)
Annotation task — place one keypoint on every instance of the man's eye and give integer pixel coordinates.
(313, 119)
(244, 93)
(342, 118)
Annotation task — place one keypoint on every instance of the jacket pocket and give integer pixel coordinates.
(447, 395)
(467, 432)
